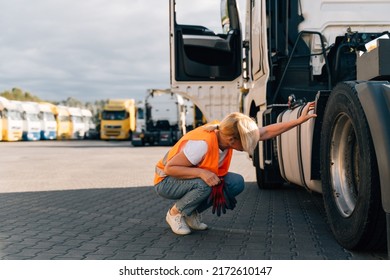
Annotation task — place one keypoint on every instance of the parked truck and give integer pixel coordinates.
(64, 130)
(295, 51)
(1, 120)
(30, 120)
(140, 125)
(89, 125)
(162, 121)
(48, 121)
(11, 119)
(77, 125)
(118, 119)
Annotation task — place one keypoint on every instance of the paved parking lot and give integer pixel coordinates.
(94, 200)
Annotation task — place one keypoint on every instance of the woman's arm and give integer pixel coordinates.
(273, 130)
(180, 167)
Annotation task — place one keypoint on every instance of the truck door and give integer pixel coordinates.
(206, 59)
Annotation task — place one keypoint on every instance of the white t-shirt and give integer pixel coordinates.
(195, 150)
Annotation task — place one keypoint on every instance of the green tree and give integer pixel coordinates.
(20, 95)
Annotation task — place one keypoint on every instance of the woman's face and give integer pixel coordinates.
(236, 145)
(229, 142)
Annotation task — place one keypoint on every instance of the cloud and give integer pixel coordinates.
(90, 49)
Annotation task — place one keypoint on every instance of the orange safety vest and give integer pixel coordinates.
(209, 162)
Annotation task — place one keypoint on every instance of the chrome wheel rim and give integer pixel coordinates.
(344, 165)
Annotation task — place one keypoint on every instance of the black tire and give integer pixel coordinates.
(136, 143)
(260, 173)
(349, 173)
(130, 135)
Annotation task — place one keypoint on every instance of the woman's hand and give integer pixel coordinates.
(210, 178)
(273, 130)
(305, 116)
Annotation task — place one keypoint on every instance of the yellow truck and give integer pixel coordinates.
(11, 121)
(118, 119)
(1, 121)
(63, 122)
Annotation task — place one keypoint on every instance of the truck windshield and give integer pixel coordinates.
(114, 115)
(77, 119)
(48, 116)
(32, 117)
(14, 115)
(63, 118)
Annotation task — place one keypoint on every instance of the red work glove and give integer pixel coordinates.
(230, 200)
(218, 198)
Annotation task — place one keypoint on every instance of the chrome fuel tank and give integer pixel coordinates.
(295, 151)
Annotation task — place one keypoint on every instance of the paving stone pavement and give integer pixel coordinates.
(122, 218)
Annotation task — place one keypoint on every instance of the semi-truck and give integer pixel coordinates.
(64, 130)
(1, 121)
(291, 52)
(89, 125)
(117, 121)
(11, 119)
(77, 125)
(162, 121)
(48, 121)
(140, 125)
(30, 119)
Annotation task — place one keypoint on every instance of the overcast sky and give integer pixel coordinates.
(86, 49)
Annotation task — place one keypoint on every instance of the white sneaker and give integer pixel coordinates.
(194, 221)
(177, 224)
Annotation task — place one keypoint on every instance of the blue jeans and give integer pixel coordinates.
(192, 194)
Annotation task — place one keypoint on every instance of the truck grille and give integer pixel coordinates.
(112, 126)
(111, 133)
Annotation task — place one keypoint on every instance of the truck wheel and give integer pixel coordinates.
(137, 143)
(350, 179)
(259, 171)
(260, 174)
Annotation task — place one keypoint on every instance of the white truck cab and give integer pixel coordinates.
(162, 119)
(31, 122)
(77, 123)
(48, 121)
(11, 121)
(290, 52)
(89, 126)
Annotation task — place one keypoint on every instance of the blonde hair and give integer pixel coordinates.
(240, 127)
